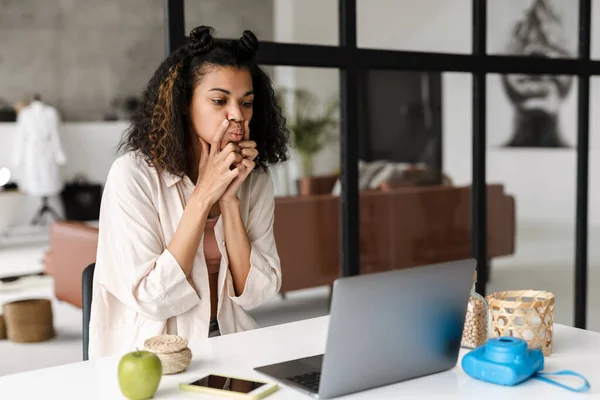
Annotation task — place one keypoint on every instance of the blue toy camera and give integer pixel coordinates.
(504, 361)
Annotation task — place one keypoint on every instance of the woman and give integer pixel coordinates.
(186, 240)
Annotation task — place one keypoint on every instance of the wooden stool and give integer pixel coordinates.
(29, 321)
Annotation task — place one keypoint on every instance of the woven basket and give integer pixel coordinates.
(526, 314)
(165, 344)
(174, 363)
(2, 328)
(29, 321)
(172, 350)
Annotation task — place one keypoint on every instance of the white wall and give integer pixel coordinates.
(543, 181)
(291, 26)
(90, 149)
(424, 25)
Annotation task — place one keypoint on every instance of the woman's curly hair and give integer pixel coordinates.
(159, 128)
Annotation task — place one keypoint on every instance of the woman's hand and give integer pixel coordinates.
(214, 170)
(247, 164)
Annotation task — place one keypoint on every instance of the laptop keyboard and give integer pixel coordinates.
(309, 381)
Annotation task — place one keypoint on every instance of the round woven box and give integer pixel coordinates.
(172, 350)
(526, 314)
(2, 328)
(28, 321)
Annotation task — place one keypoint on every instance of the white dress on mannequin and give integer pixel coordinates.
(38, 150)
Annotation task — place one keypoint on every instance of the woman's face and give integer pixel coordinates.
(223, 93)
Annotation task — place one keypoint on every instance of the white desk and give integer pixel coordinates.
(238, 354)
(22, 260)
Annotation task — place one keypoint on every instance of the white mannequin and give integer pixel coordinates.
(39, 150)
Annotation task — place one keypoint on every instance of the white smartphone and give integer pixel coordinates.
(230, 386)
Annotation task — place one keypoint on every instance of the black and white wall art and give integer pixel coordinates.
(532, 111)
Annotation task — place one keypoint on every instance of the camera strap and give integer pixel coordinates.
(543, 376)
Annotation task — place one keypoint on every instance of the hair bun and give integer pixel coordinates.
(201, 38)
(248, 44)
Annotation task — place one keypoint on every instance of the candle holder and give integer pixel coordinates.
(524, 314)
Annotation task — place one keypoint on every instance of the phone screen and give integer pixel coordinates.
(228, 384)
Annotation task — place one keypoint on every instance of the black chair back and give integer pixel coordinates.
(87, 283)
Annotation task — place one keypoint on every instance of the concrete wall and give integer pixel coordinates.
(81, 54)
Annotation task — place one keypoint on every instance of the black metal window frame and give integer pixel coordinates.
(350, 59)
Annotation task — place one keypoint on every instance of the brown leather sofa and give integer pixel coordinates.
(399, 228)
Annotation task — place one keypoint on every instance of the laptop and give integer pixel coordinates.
(384, 328)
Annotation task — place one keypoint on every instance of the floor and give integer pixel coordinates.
(544, 260)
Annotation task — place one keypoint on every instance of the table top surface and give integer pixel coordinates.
(238, 354)
(22, 260)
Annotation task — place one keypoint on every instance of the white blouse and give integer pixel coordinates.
(140, 290)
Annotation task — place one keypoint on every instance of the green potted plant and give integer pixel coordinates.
(311, 126)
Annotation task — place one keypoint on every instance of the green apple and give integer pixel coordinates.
(139, 374)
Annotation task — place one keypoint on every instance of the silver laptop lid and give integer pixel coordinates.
(396, 325)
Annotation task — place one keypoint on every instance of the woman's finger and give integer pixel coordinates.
(231, 148)
(249, 153)
(247, 144)
(233, 158)
(247, 129)
(218, 137)
(248, 164)
(233, 174)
